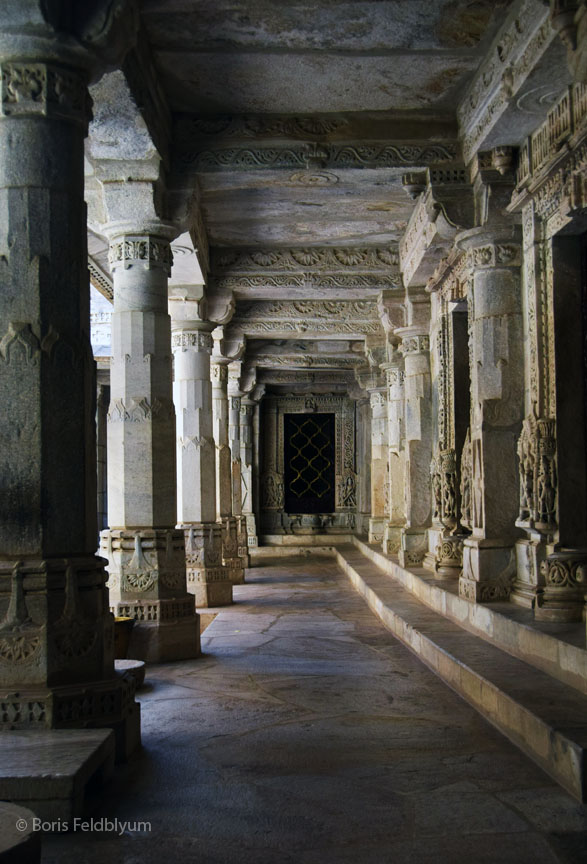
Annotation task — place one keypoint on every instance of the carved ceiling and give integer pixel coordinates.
(283, 131)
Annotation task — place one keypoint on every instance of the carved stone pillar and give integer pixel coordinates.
(363, 465)
(490, 474)
(146, 553)
(230, 557)
(234, 410)
(56, 630)
(558, 497)
(536, 444)
(394, 373)
(272, 484)
(379, 447)
(247, 444)
(450, 374)
(415, 348)
(207, 579)
(101, 449)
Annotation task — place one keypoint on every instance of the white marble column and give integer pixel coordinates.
(395, 517)
(379, 478)
(247, 457)
(230, 557)
(56, 632)
(207, 578)
(102, 405)
(490, 480)
(146, 552)
(363, 465)
(234, 441)
(415, 348)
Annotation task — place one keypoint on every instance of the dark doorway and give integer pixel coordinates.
(309, 463)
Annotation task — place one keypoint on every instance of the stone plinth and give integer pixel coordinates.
(147, 582)
(207, 578)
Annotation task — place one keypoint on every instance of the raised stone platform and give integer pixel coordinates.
(545, 717)
(49, 771)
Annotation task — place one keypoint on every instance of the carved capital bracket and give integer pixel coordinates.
(144, 251)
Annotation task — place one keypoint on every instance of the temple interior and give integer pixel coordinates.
(293, 439)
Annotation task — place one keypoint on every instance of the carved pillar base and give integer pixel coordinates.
(108, 704)
(412, 547)
(530, 553)
(252, 538)
(448, 555)
(57, 651)
(433, 535)
(489, 567)
(230, 556)
(243, 541)
(376, 529)
(563, 595)
(148, 583)
(207, 578)
(391, 538)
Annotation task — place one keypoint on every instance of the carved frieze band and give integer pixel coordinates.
(312, 309)
(278, 361)
(322, 258)
(307, 280)
(494, 255)
(415, 344)
(139, 410)
(219, 373)
(199, 340)
(144, 250)
(43, 89)
(376, 155)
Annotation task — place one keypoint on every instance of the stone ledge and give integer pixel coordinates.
(542, 716)
(49, 771)
(555, 656)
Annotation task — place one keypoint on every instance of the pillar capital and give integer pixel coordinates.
(146, 251)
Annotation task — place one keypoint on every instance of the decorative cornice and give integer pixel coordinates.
(148, 251)
(523, 39)
(307, 281)
(429, 226)
(100, 280)
(314, 361)
(374, 155)
(303, 326)
(308, 309)
(564, 120)
(316, 258)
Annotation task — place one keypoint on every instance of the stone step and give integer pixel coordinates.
(543, 716)
(49, 771)
(512, 629)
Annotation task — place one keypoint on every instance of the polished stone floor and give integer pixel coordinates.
(308, 734)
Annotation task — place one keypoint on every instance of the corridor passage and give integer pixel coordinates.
(308, 734)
